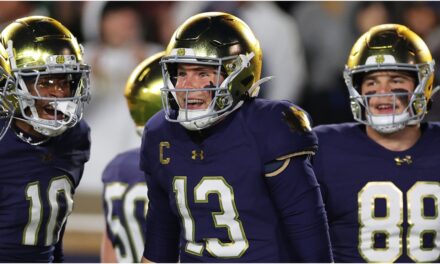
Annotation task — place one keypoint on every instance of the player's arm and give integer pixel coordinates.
(296, 193)
(108, 254)
(162, 226)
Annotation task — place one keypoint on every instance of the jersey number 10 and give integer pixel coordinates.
(57, 186)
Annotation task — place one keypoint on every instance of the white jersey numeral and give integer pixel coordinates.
(227, 218)
(130, 233)
(57, 186)
(390, 225)
(419, 224)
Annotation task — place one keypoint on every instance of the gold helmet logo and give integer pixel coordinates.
(181, 52)
(60, 59)
(380, 59)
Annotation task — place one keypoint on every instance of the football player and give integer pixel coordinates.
(380, 176)
(228, 175)
(125, 191)
(44, 151)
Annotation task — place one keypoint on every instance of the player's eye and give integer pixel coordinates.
(44, 83)
(181, 74)
(399, 90)
(398, 80)
(369, 83)
(204, 74)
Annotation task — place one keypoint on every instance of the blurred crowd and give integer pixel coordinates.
(305, 46)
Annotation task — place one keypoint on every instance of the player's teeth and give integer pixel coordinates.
(383, 106)
(195, 101)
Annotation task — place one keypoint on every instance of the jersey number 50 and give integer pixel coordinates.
(390, 225)
(129, 233)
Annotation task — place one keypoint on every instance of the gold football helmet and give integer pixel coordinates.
(220, 40)
(7, 83)
(40, 48)
(142, 91)
(397, 48)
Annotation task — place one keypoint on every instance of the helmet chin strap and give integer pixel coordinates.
(47, 130)
(199, 123)
(203, 122)
(53, 128)
(68, 109)
(388, 124)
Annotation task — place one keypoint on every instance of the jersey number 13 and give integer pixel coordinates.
(227, 218)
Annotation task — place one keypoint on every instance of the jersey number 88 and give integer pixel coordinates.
(390, 225)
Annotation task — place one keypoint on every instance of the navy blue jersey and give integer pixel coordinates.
(382, 205)
(208, 194)
(36, 188)
(125, 205)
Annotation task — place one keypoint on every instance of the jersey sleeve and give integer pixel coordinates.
(162, 226)
(297, 197)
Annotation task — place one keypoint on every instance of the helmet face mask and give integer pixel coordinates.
(391, 48)
(385, 123)
(35, 100)
(223, 43)
(6, 106)
(221, 101)
(7, 84)
(39, 63)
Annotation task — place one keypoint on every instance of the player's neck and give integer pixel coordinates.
(398, 141)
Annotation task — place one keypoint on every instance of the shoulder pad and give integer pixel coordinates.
(297, 119)
(280, 128)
